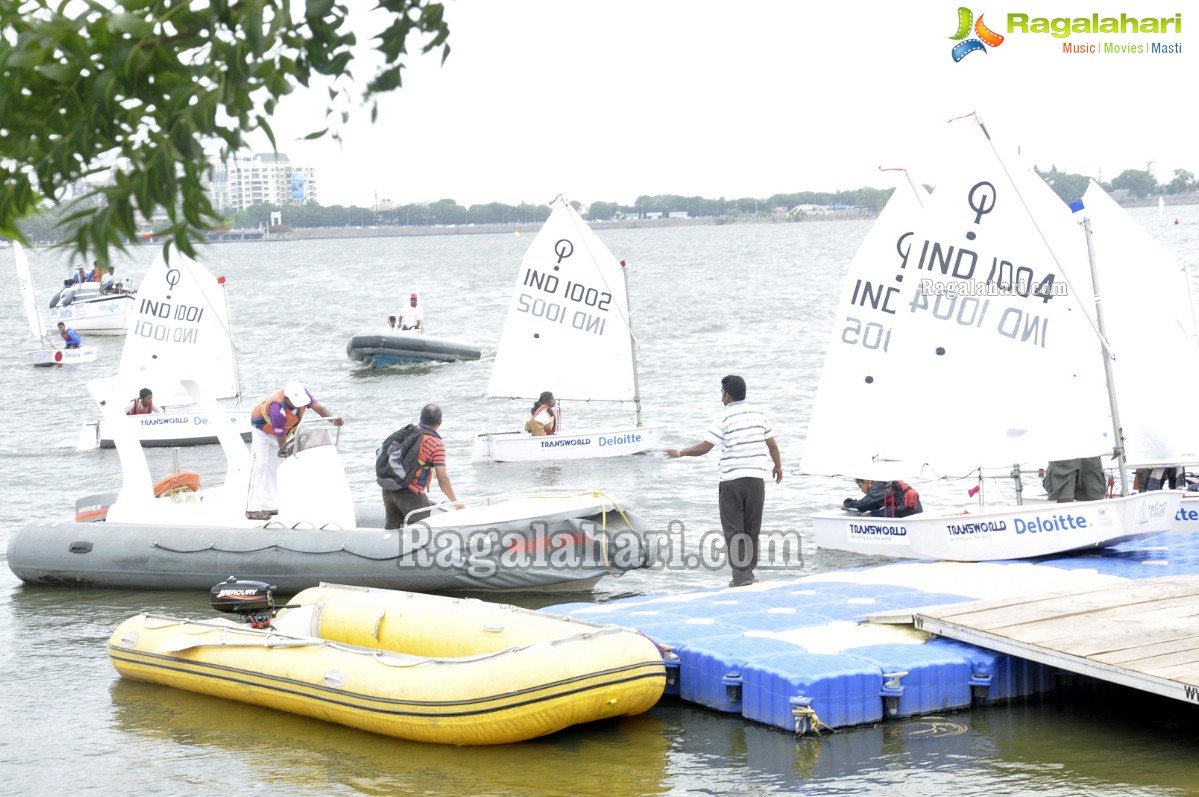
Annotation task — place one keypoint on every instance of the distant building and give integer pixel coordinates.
(265, 178)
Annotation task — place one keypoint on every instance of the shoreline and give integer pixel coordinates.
(313, 233)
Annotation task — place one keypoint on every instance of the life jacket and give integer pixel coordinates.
(138, 409)
(551, 427)
(410, 440)
(259, 418)
(901, 500)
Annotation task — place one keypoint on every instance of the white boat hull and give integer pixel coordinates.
(1018, 532)
(1186, 521)
(47, 358)
(524, 447)
(101, 316)
(163, 429)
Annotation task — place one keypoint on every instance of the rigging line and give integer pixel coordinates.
(916, 189)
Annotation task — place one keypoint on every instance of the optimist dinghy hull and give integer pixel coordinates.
(1018, 532)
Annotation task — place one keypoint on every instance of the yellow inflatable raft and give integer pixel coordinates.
(420, 667)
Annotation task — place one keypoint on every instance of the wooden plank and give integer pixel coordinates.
(1141, 634)
(1065, 605)
(1133, 654)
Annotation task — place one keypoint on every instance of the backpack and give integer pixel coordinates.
(911, 499)
(409, 439)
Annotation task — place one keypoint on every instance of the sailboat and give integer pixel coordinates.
(49, 354)
(567, 331)
(968, 342)
(180, 325)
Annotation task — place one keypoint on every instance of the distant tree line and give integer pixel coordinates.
(45, 227)
(1139, 184)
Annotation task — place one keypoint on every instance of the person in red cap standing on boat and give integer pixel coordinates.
(274, 421)
(413, 316)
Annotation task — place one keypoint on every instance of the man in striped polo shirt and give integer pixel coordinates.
(748, 455)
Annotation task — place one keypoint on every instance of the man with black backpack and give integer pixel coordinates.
(404, 465)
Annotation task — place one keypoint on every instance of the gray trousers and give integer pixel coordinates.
(399, 503)
(741, 504)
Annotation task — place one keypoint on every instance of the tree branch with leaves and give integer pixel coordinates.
(127, 98)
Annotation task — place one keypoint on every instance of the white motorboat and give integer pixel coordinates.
(86, 308)
(181, 533)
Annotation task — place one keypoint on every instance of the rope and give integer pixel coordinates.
(807, 714)
(604, 530)
(214, 549)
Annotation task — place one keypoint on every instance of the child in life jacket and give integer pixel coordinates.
(885, 499)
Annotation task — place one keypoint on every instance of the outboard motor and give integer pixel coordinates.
(252, 601)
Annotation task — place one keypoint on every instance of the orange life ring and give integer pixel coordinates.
(182, 482)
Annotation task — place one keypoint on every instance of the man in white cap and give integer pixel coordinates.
(413, 316)
(274, 420)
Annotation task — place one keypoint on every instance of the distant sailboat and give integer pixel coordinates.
(568, 332)
(49, 354)
(179, 328)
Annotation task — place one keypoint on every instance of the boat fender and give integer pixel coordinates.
(187, 481)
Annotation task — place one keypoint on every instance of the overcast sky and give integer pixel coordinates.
(609, 100)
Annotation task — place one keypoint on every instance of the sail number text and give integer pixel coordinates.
(147, 325)
(559, 311)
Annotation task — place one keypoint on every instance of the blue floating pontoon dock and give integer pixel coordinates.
(859, 646)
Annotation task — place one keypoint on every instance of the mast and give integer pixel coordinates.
(232, 346)
(624, 270)
(1117, 428)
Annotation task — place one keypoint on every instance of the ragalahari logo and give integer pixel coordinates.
(984, 36)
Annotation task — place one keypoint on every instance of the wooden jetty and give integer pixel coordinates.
(1143, 634)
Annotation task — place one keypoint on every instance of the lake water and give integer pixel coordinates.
(706, 301)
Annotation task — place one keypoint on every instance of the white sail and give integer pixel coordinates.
(567, 328)
(980, 361)
(858, 366)
(37, 326)
(1151, 330)
(179, 328)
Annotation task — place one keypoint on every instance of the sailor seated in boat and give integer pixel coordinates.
(143, 404)
(70, 336)
(885, 499)
(543, 419)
